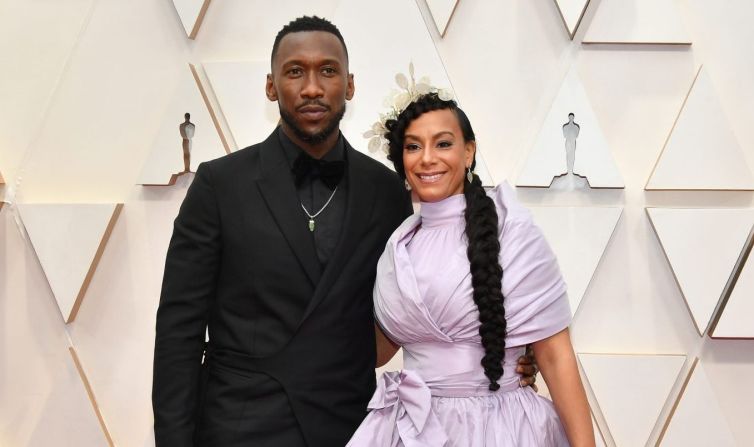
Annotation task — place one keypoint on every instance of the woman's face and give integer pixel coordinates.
(435, 156)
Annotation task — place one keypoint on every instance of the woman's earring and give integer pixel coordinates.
(469, 175)
(407, 184)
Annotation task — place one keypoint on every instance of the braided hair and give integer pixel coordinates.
(481, 232)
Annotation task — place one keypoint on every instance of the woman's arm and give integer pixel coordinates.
(557, 362)
(386, 349)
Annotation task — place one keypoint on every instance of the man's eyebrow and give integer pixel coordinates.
(306, 62)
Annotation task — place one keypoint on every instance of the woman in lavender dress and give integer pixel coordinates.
(463, 286)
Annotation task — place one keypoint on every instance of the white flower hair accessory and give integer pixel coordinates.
(397, 101)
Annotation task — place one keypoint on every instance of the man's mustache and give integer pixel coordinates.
(313, 102)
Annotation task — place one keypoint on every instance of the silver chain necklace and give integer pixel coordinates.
(312, 216)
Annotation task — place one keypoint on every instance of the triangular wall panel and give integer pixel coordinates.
(165, 161)
(578, 236)
(703, 247)
(361, 21)
(572, 11)
(697, 420)
(239, 89)
(442, 12)
(701, 152)
(592, 157)
(637, 22)
(635, 385)
(69, 240)
(42, 399)
(114, 330)
(737, 317)
(90, 394)
(192, 14)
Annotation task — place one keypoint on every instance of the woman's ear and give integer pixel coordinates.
(470, 151)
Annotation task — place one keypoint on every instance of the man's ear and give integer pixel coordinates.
(350, 87)
(270, 90)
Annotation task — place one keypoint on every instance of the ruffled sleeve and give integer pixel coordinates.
(535, 299)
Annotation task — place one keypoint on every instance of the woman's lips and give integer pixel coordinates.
(430, 177)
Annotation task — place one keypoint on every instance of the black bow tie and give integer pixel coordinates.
(330, 172)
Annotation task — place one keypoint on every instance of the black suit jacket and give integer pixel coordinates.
(288, 340)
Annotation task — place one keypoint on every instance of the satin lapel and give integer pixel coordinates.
(361, 195)
(279, 193)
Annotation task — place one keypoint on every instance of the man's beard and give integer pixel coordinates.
(318, 137)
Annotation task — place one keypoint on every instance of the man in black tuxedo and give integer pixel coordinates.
(274, 250)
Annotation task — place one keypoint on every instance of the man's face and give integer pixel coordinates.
(311, 83)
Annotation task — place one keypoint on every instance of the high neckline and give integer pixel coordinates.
(443, 212)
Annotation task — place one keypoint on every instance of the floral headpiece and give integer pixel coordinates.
(397, 101)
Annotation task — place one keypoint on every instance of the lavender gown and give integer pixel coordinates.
(423, 301)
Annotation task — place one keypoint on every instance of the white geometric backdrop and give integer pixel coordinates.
(659, 266)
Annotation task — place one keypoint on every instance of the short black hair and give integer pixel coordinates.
(307, 23)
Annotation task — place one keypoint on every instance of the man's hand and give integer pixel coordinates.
(527, 367)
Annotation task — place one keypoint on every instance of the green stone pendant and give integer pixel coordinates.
(311, 224)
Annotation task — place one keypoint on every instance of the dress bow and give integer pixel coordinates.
(405, 396)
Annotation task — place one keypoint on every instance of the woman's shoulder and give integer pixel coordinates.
(536, 303)
(522, 239)
(510, 211)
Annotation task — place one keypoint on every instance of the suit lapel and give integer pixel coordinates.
(361, 195)
(279, 193)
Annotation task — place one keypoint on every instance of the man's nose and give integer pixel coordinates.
(312, 87)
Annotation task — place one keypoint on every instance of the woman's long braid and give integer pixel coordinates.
(486, 276)
(481, 231)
